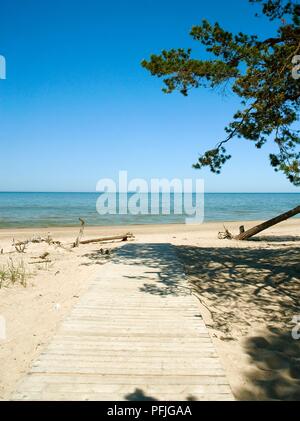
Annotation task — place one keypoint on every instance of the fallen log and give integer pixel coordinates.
(43, 256)
(40, 262)
(261, 227)
(124, 237)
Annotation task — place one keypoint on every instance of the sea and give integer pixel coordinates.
(22, 210)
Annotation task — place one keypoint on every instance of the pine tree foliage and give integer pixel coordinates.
(259, 71)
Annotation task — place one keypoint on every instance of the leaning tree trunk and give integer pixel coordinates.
(255, 230)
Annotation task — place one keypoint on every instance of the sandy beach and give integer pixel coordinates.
(248, 295)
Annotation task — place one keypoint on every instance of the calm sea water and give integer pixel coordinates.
(64, 209)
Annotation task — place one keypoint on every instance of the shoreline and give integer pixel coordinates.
(51, 211)
(142, 228)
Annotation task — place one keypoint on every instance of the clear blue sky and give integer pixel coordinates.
(77, 106)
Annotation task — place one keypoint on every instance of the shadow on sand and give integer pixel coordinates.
(139, 395)
(276, 367)
(276, 238)
(266, 280)
(254, 287)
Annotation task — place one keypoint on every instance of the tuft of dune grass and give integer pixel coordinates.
(13, 273)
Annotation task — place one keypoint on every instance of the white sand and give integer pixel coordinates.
(243, 287)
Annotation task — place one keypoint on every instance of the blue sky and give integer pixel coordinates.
(77, 106)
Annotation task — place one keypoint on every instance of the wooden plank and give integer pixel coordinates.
(118, 350)
(46, 378)
(119, 338)
(67, 396)
(123, 389)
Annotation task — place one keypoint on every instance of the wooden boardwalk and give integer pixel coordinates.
(136, 334)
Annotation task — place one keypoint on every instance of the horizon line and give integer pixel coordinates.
(99, 192)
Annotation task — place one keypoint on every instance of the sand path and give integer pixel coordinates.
(136, 334)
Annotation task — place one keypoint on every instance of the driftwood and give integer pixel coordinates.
(40, 262)
(20, 243)
(245, 235)
(124, 237)
(37, 240)
(106, 252)
(20, 247)
(225, 235)
(43, 256)
(80, 235)
(79, 240)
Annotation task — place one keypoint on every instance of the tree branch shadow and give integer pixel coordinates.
(254, 287)
(139, 395)
(276, 238)
(275, 357)
(165, 269)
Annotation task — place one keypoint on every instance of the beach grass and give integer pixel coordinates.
(13, 273)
